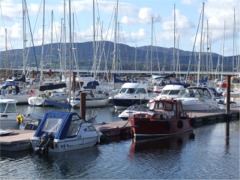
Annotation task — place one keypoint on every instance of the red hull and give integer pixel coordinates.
(152, 128)
(166, 118)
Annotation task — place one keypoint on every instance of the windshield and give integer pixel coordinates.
(52, 125)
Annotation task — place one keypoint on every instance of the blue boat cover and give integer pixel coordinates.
(61, 118)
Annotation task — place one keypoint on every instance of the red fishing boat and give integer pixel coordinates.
(164, 117)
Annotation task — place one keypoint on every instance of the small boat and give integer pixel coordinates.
(64, 131)
(9, 117)
(130, 94)
(198, 98)
(92, 100)
(171, 91)
(165, 117)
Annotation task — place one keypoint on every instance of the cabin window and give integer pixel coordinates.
(165, 92)
(11, 108)
(168, 106)
(52, 125)
(91, 128)
(158, 105)
(236, 80)
(141, 91)
(2, 107)
(74, 126)
(123, 90)
(206, 94)
(172, 92)
(131, 90)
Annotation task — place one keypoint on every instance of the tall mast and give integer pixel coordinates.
(24, 35)
(223, 50)
(43, 37)
(51, 40)
(174, 40)
(94, 41)
(200, 53)
(151, 43)
(6, 53)
(115, 39)
(234, 31)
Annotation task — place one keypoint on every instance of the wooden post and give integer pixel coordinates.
(73, 82)
(228, 94)
(83, 105)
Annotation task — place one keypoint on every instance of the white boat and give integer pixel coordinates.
(198, 99)
(92, 100)
(36, 100)
(171, 91)
(130, 94)
(10, 90)
(64, 131)
(53, 92)
(9, 117)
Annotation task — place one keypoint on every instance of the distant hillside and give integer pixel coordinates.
(128, 57)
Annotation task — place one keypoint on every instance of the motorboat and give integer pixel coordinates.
(9, 117)
(165, 117)
(198, 98)
(127, 113)
(130, 94)
(64, 131)
(171, 91)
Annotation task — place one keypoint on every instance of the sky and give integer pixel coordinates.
(139, 23)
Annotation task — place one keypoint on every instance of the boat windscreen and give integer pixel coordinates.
(52, 125)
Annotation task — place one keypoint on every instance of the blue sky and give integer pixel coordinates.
(134, 20)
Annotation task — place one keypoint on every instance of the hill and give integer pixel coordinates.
(128, 58)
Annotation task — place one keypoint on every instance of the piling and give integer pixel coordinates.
(228, 94)
(83, 105)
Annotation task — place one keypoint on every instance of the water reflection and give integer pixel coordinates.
(67, 164)
(161, 144)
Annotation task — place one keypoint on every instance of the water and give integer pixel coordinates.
(211, 153)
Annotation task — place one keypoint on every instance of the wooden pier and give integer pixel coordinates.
(19, 140)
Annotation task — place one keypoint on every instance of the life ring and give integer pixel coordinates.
(19, 119)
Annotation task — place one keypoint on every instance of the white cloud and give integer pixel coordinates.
(128, 20)
(145, 15)
(182, 23)
(188, 2)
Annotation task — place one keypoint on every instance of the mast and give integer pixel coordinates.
(151, 43)
(200, 53)
(24, 35)
(174, 40)
(6, 53)
(234, 31)
(115, 58)
(43, 37)
(223, 50)
(70, 45)
(51, 40)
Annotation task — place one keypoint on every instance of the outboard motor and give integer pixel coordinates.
(46, 142)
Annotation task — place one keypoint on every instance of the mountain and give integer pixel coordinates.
(128, 57)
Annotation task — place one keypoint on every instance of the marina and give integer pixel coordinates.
(119, 89)
(215, 146)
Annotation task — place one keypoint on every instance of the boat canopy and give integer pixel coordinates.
(58, 123)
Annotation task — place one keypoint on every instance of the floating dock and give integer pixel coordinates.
(19, 140)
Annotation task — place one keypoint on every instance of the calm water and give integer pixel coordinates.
(210, 154)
